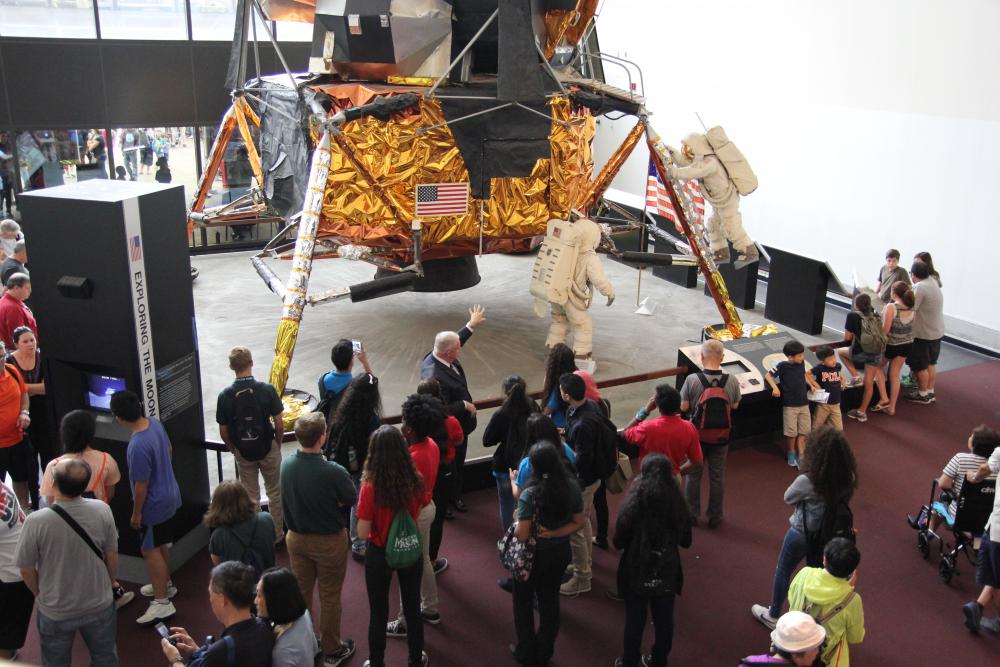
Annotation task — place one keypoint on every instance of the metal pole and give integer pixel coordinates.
(461, 55)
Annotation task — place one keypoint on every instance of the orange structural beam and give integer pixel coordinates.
(611, 168)
(713, 279)
(243, 112)
(215, 158)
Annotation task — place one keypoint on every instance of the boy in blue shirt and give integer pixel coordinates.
(795, 384)
(156, 498)
(828, 376)
(342, 354)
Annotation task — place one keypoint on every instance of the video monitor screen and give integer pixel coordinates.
(734, 368)
(99, 390)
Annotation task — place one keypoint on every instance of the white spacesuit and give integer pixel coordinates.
(566, 273)
(697, 160)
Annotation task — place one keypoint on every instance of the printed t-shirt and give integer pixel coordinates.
(381, 516)
(792, 380)
(829, 378)
(11, 522)
(427, 457)
(148, 457)
(11, 389)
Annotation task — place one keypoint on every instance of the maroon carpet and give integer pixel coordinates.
(912, 617)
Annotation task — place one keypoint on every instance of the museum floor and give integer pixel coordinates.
(233, 307)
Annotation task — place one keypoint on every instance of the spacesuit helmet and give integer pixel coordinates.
(590, 233)
(696, 145)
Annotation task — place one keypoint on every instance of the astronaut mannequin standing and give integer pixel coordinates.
(568, 287)
(697, 160)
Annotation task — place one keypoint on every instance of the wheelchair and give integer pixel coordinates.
(975, 503)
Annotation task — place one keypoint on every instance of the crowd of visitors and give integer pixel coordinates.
(358, 488)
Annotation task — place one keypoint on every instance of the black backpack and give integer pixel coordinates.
(712, 414)
(652, 564)
(838, 521)
(606, 444)
(250, 428)
(328, 404)
(249, 556)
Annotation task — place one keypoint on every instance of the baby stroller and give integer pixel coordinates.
(975, 503)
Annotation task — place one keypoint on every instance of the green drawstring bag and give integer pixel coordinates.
(402, 547)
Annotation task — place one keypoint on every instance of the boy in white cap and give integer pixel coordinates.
(795, 640)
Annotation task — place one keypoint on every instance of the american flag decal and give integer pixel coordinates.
(442, 199)
(658, 201)
(135, 248)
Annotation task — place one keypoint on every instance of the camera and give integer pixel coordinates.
(165, 633)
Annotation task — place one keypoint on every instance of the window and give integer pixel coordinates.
(233, 180)
(143, 19)
(47, 18)
(215, 20)
(160, 154)
(294, 31)
(57, 157)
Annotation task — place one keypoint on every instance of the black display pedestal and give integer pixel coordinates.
(741, 283)
(685, 276)
(796, 291)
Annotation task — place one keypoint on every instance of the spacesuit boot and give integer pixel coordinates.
(747, 256)
(721, 256)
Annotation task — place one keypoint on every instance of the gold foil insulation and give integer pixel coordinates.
(567, 25)
(375, 167)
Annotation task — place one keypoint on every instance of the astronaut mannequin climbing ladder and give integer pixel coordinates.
(566, 272)
(724, 175)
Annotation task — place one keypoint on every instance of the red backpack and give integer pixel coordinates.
(712, 414)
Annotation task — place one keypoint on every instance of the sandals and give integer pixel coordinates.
(884, 407)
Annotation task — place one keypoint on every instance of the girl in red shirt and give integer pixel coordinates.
(389, 484)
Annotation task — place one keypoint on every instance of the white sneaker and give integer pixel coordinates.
(158, 611)
(762, 614)
(126, 597)
(147, 590)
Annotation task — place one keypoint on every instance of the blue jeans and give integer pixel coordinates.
(793, 550)
(99, 632)
(506, 496)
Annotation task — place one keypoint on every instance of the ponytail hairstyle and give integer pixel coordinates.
(904, 293)
(863, 304)
(551, 485)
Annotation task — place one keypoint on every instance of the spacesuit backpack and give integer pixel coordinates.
(555, 265)
(733, 160)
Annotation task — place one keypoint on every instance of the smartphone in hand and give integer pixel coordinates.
(357, 346)
(165, 632)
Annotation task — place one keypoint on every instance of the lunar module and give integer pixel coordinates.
(425, 133)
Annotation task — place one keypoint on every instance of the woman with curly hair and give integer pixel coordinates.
(830, 477)
(508, 432)
(653, 519)
(553, 499)
(358, 414)
(390, 484)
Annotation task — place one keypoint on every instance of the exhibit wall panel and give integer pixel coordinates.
(870, 125)
(137, 73)
(104, 83)
(39, 101)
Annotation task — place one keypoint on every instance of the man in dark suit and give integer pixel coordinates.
(442, 364)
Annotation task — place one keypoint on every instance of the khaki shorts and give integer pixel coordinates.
(796, 421)
(828, 414)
